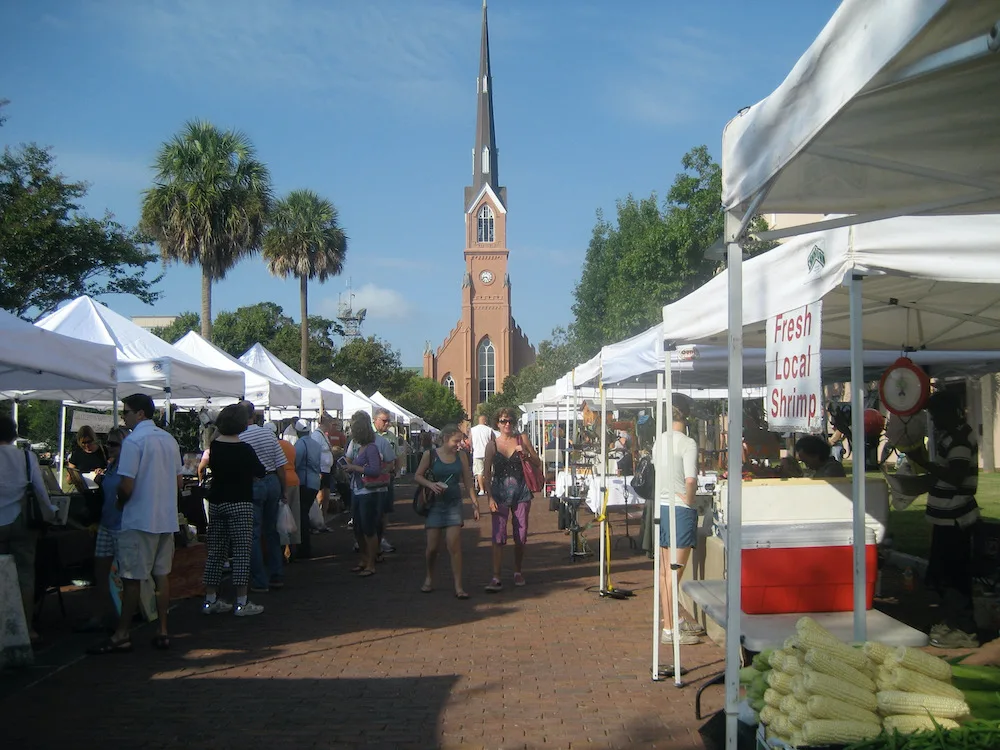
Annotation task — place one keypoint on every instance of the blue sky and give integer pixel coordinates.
(371, 103)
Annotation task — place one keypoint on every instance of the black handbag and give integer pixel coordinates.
(423, 498)
(33, 518)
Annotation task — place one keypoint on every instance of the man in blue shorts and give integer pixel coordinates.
(682, 486)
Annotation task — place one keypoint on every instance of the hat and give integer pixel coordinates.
(271, 426)
(301, 425)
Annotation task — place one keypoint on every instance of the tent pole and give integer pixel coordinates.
(858, 473)
(62, 443)
(114, 407)
(14, 410)
(658, 478)
(668, 489)
(604, 481)
(734, 509)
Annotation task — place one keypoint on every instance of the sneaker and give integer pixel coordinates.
(691, 627)
(954, 639)
(247, 610)
(685, 639)
(938, 630)
(481, 493)
(494, 585)
(385, 546)
(218, 607)
(518, 579)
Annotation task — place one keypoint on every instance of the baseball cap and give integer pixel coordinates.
(301, 425)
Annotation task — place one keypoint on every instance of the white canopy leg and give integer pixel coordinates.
(657, 481)
(62, 443)
(603, 485)
(667, 486)
(858, 429)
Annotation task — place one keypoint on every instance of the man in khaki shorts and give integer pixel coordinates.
(150, 468)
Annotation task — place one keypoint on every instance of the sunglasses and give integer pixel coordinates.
(503, 421)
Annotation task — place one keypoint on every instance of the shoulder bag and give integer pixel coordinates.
(423, 498)
(534, 479)
(32, 511)
(376, 481)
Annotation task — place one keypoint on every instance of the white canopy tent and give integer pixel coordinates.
(351, 401)
(32, 357)
(410, 419)
(314, 397)
(883, 116)
(260, 389)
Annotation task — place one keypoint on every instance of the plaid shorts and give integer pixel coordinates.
(107, 543)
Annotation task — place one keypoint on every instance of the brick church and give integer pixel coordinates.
(486, 345)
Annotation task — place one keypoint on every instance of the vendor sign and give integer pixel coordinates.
(794, 399)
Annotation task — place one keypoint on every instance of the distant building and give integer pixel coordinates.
(486, 345)
(149, 322)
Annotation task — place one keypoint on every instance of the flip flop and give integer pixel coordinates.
(357, 568)
(425, 589)
(109, 646)
(160, 642)
(366, 573)
(461, 595)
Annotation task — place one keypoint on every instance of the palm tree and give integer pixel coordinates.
(209, 203)
(305, 240)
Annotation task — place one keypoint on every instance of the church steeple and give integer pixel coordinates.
(484, 153)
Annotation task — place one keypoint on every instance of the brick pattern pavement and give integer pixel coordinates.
(338, 661)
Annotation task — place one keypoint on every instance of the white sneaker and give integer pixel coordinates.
(385, 546)
(218, 607)
(685, 639)
(248, 610)
(481, 493)
(691, 627)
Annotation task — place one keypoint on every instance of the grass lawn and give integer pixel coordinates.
(912, 534)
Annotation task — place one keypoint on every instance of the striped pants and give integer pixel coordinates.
(230, 527)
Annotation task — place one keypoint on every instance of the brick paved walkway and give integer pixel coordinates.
(341, 662)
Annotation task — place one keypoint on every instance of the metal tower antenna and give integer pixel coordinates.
(349, 319)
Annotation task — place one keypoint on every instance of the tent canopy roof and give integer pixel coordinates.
(867, 119)
(314, 397)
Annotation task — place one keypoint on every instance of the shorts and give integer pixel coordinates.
(444, 513)
(366, 511)
(519, 514)
(141, 554)
(687, 526)
(478, 466)
(107, 542)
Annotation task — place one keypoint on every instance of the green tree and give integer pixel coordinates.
(366, 364)
(182, 324)
(50, 251)
(432, 401)
(286, 345)
(208, 205)
(305, 240)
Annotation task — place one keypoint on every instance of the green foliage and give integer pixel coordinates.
(39, 422)
(305, 240)
(432, 401)
(50, 251)
(368, 364)
(209, 203)
(555, 357)
(183, 323)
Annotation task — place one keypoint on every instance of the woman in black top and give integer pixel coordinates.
(234, 465)
(87, 456)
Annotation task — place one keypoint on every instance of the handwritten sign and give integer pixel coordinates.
(794, 400)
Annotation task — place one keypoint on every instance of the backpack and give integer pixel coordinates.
(644, 478)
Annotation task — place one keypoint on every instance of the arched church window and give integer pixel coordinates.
(485, 224)
(486, 159)
(449, 383)
(487, 370)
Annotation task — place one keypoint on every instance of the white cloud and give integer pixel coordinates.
(380, 302)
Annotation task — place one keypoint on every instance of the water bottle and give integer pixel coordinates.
(908, 584)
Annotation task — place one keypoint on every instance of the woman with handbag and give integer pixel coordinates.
(369, 479)
(511, 468)
(24, 506)
(449, 469)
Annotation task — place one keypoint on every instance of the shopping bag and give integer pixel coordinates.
(316, 519)
(286, 521)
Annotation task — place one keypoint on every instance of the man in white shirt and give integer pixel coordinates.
(325, 460)
(681, 487)
(480, 435)
(150, 470)
(389, 448)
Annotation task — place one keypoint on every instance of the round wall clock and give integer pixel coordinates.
(904, 387)
(486, 277)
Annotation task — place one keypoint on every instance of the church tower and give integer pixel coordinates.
(486, 345)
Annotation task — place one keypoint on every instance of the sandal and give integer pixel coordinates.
(426, 589)
(160, 642)
(366, 573)
(461, 595)
(357, 568)
(110, 646)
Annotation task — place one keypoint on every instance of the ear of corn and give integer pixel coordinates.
(875, 651)
(776, 657)
(773, 698)
(849, 656)
(799, 716)
(768, 714)
(901, 678)
(780, 681)
(790, 665)
(906, 724)
(791, 643)
(922, 662)
(833, 732)
(817, 683)
(799, 688)
(892, 702)
(822, 661)
(825, 707)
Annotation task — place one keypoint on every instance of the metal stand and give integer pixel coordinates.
(632, 544)
(569, 520)
(668, 672)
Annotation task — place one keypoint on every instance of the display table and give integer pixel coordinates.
(759, 632)
(15, 643)
(620, 490)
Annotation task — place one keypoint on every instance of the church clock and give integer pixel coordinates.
(486, 277)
